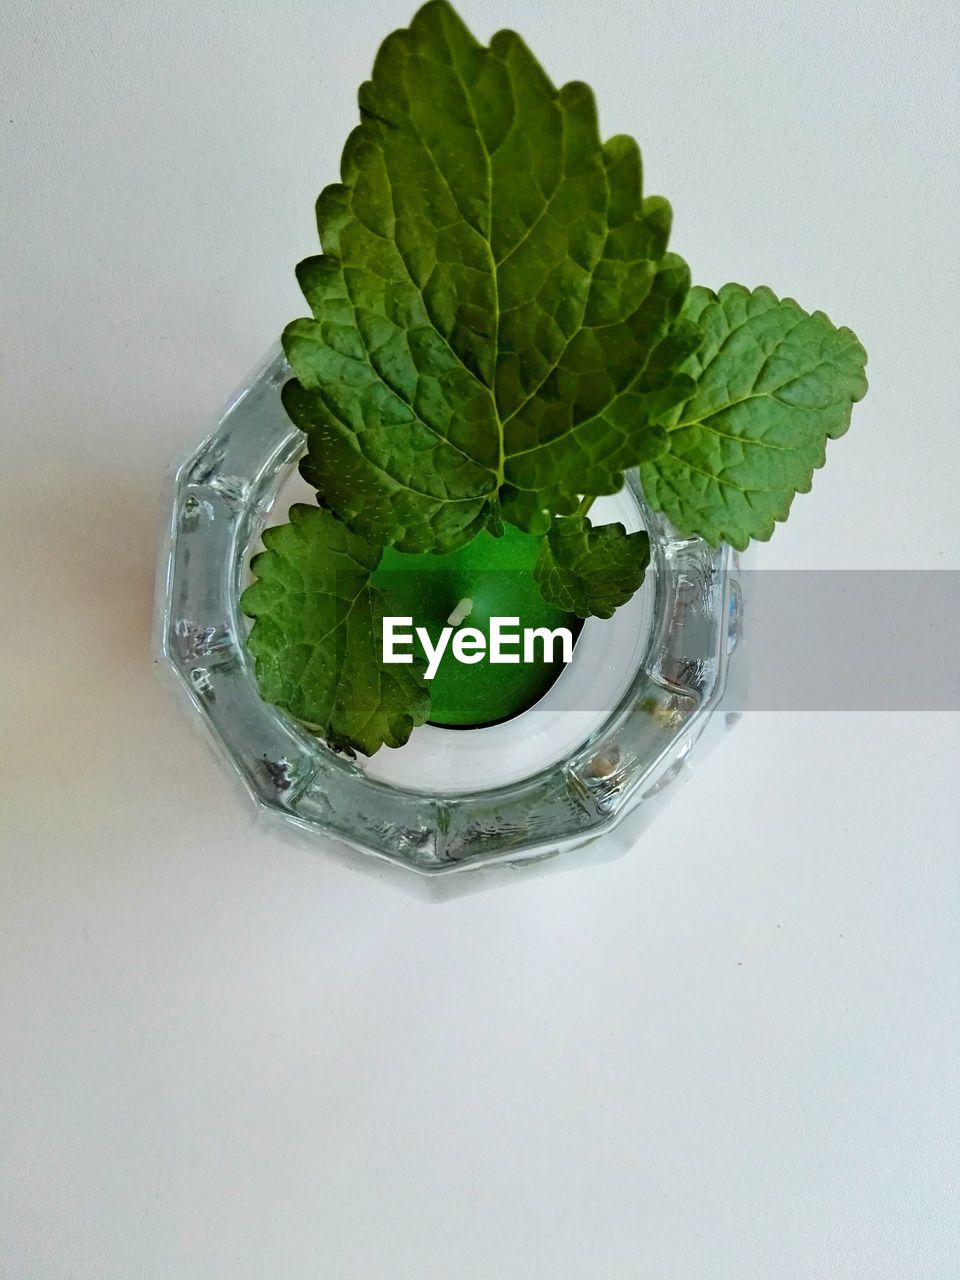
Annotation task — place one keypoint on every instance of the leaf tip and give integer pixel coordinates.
(577, 93)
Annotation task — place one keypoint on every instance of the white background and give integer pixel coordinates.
(732, 1054)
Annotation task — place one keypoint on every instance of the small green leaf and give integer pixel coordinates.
(591, 571)
(317, 636)
(771, 385)
(493, 311)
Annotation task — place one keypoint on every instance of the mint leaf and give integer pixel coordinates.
(591, 571)
(772, 385)
(317, 633)
(492, 313)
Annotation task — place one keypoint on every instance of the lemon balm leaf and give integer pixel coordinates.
(770, 385)
(492, 314)
(589, 570)
(317, 634)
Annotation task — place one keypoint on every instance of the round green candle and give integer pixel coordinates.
(494, 576)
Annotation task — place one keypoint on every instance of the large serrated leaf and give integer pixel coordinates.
(591, 571)
(492, 312)
(772, 385)
(317, 632)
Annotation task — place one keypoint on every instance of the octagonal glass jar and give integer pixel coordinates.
(579, 774)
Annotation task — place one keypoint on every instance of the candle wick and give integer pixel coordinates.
(461, 612)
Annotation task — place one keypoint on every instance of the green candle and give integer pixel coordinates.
(489, 577)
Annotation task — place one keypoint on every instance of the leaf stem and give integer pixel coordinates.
(585, 504)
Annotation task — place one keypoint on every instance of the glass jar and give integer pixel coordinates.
(577, 775)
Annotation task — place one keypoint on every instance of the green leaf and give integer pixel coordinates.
(492, 314)
(589, 570)
(317, 636)
(772, 385)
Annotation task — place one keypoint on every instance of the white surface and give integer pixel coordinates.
(729, 1056)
